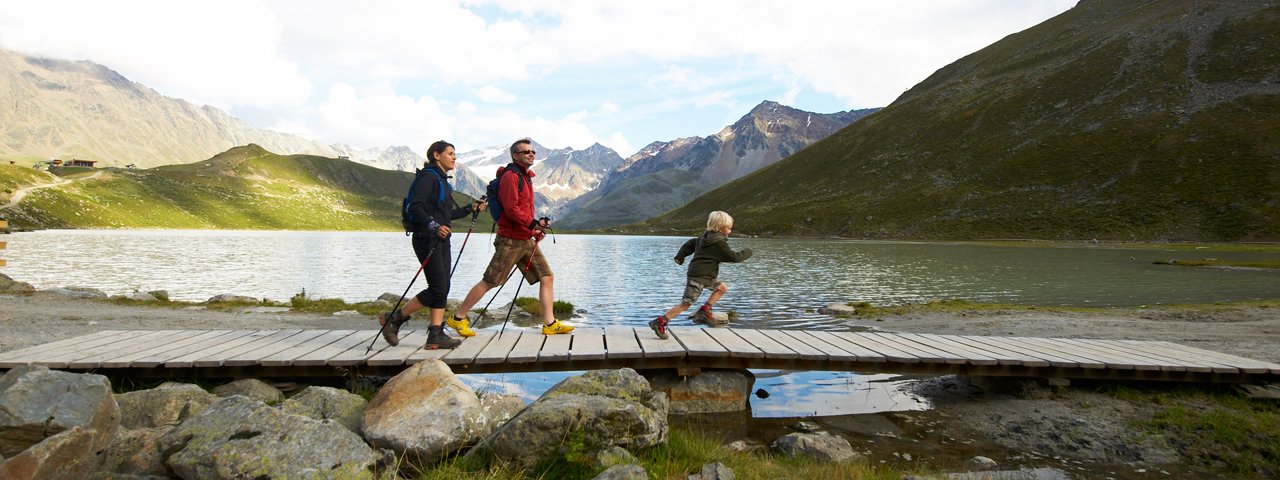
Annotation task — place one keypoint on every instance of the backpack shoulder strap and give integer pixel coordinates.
(519, 177)
(439, 183)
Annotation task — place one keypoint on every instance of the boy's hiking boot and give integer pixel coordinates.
(659, 326)
(436, 338)
(461, 325)
(704, 316)
(391, 322)
(556, 328)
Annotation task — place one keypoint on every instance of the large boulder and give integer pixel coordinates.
(37, 403)
(327, 403)
(425, 413)
(623, 472)
(711, 391)
(69, 454)
(135, 453)
(164, 406)
(501, 407)
(237, 437)
(591, 412)
(252, 388)
(79, 292)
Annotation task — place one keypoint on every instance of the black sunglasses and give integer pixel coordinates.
(526, 152)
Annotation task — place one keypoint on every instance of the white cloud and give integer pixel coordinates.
(380, 117)
(492, 94)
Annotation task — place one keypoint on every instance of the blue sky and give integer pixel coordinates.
(483, 73)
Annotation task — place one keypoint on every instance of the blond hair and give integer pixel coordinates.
(718, 220)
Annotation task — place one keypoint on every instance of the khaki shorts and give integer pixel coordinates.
(509, 252)
(693, 289)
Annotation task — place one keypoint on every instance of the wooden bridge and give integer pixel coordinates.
(309, 353)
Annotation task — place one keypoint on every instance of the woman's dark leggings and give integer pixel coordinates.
(437, 270)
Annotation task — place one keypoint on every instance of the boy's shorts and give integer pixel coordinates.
(510, 252)
(693, 289)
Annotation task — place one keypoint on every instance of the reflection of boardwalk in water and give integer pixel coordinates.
(302, 353)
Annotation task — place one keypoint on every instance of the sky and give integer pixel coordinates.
(567, 73)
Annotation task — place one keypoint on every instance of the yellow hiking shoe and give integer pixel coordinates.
(556, 328)
(460, 325)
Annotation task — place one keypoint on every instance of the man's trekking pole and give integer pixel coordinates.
(458, 260)
(402, 295)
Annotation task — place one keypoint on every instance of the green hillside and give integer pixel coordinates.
(1114, 120)
(242, 188)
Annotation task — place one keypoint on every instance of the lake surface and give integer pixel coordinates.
(626, 280)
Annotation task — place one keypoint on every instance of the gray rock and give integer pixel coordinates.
(614, 456)
(711, 391)
(69, 454)
(37, 403)
(501, 407)
(741, 446)
(714, 471)
(345, 313)
(163, 406)
(141, 297)
(327, 403)
(389, 297)
(425, 413)
(11, 286)
(603, 407)
(623, 472)
(135, 453)
(838, 309)
(227, 297)
(161, 295)
(265, 309)
(79, 292)
(983, 462)
(819, 446)
(253, 388)
(237, 437)
(806, 427)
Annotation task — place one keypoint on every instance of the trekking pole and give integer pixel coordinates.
(519, 284)
(402, 295)
(458, 260)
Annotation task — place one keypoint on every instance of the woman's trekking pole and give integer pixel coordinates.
(519, 283)
(402, 295)
(458, 260)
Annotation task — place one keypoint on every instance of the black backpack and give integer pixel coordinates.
(406, 217)
(491, 190)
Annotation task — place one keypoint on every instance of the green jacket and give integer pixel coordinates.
(708, 251)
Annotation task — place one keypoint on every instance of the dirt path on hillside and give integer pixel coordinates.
(19, 194)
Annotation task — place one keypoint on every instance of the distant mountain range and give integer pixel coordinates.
(560, 175)
(1115, 120)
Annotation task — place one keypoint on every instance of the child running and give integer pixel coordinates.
(708, 250)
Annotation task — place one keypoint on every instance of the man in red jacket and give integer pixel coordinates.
(518, 234)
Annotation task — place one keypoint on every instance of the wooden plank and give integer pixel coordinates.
(1140, 361)
(410, 341)
(655, 347)
(466, 353)
(9, 359)
(588, 344)
(946, 344)
(796, 341)
(698, 343)
(125, 348)
(4, 224)
(766, 344)
(736, 345)
(556, 347)
(255, 356)
(358, 348)
(856, 352)
(527, 346)
(829, 343)
(3, 244)
(1003, 356)
(498, 348)
(338, 344)
(204, 345)
(84, 350)
(190, 360)
(174, 343)
(1191, 362)
(923, 352)
(1246, 365)
(891, 353)
(1054, 360)
(621, 342)
(3, 262)
(1081, 360)
(263, 339)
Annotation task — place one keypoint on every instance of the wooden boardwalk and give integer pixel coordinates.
(303, 353)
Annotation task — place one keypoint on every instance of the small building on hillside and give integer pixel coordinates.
(75, 162)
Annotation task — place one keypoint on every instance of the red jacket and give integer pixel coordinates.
(517, 203)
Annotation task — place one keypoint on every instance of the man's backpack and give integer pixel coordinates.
(406, 217)
(495, 205)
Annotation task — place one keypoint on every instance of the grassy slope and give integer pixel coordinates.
(243, 188)
(1098, 123)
